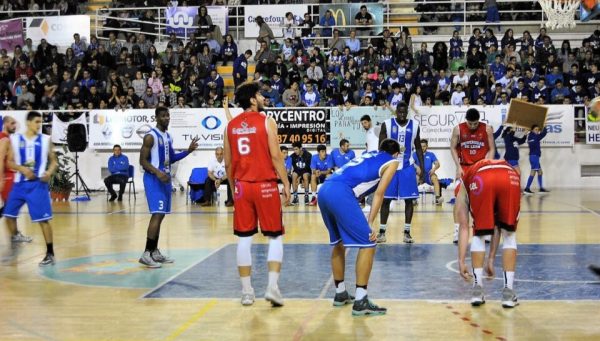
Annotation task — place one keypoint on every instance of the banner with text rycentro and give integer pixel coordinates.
(273, 17)
(180, 19)
(58, 30)
(128, 128)
(309, 126)
(436, 123)
(344, 14)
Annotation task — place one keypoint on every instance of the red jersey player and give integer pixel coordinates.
(254, 162)
(471, 141)
(7, 175)
(491, 191)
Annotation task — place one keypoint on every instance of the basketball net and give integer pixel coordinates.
(560, 13)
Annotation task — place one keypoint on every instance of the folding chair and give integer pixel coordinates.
(195, 184)
(131, 173)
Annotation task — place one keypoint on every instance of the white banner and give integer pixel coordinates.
(109, 127)
(181, 19)
(58, 30)
(59, 128)
(273, 17)
(437, 123)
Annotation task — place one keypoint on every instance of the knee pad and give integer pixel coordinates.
(478, 244)
(244, 255)
(275, 253)
(509, 240)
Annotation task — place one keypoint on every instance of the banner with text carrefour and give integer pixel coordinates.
(436, 123)
(180, 19)
(310, 126)
(273, 17)
(127, 128)
(58, 30)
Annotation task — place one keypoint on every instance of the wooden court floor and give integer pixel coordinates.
(90, 298)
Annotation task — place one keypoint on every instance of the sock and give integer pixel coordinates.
(340, 287)
(456, 226)
(382, 228)
(273, 278)
(509, 277)
(540, 181)
(477, 276)
(529, 182)
(150, 244)
(246, 284)
(361, 292)
(406, 227)
(50, 248)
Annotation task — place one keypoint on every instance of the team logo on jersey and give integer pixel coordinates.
(476, 185)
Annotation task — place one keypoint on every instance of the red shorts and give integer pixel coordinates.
(257, 203)
(494, 199)
(9, 180)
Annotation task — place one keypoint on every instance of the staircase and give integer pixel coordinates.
(402, 12)
(92, 6)
(227, 73)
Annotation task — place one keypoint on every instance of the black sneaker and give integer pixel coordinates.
(295, 200)
(366, 307)
(543, 190)
(342, 299)
(306, 200)
(113, 197)
(527, 191)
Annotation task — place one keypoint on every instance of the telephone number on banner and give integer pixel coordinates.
(317, 138)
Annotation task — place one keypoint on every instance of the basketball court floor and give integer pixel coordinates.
(98, 291)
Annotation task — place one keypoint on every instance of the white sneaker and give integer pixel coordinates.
(477, 297)
(273, 295)
(147, 260)
(248, 298)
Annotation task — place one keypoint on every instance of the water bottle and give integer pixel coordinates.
(217, 197)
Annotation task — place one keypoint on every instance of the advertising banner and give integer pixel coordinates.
(344, 15)
(308, 126)
(11, 34)
(181, 19)
(19, 115)
(58, 30)
(592, 129)
(273, 17)
(436, 123)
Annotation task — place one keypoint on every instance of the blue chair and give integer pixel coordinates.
(130, 182)
(195, 184)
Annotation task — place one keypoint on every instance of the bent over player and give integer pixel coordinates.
(491, 191)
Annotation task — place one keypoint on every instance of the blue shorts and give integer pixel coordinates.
(534, 160)
(35, 194)
(403, 185)
(342, 216)
(514, 163)
(158, 194)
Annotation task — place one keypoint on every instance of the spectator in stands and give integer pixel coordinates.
(167, 97)
(507, 81)
(461, 78)
(364, 20)
(457, 95)
(476, 39)
(307, 29)
(456, 45)
(240, 68)
(281, 70)
(214, 82)
(314, 71)
(554, 76)
(526, 42)
(228, 50)
(353, 43)
(265, 34)
(489, 40)
(559, 93)
(475, 58)
(270, 93)
(264, 58)
(291, 97)
(507, 39)
(25, 97)
(310, 98)
(326, 22)
(443, 86)
(522, 91)
(337, 42)
(289, 26)
(492, 15)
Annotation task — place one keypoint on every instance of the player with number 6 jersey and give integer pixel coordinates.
(254, 161)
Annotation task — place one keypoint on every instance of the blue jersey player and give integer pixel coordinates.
(156, 157)
(321, 166)
(32, 157)
(534, 139)
(347, 225)
(404, 185)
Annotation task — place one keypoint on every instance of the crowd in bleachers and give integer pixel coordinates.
(301, 70)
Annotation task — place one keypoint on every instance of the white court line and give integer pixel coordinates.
(450, 268)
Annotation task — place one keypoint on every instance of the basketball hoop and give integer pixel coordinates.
(560, 13)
